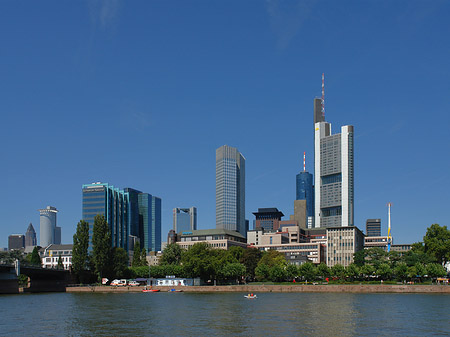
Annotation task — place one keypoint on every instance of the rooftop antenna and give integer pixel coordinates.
(304, 161)
(389, 238)
(323, 95)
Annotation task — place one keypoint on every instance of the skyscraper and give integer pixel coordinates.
(184, 219)
(48, 230)
(373, 227)
(230, 189)
(104, 199)
(333, 172)
(150, 222)
(30, 236)
(305, 191)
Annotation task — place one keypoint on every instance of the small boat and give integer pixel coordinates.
(150, 290)
(175, 290)
(250, 296)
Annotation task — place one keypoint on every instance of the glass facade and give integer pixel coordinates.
(150, 221)
(305, 191)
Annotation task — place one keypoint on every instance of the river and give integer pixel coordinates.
(220, 314)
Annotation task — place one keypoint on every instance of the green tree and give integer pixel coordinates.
(376, 256)
(101, 246)
(277, 273)
(323, 271)
(352, 271)
(80, 255)
(384, 271)
(417, 254)
(435, 270)
(308, 271)
(368, 271)
(359, 258)
(200, 261)
(119, 262)
(421, 271)
(171, 254)
(291, 271)
(272, 258)
(60, 262)
(338, 271)
(233, 271)
(437, 243)
(136, 255)
(401, 271)
(262, 272)
(144, 257)
(250, 258)
(35, 258)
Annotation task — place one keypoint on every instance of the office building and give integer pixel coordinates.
(373, 227)
(268, 219)
(16, 241)
(215, 238)
(113, 203)
(305, 191)
(185, 219)
(342, 243)
(49, 232)
(30, 236)
(50, 256)
(136, 228)
(150, 221)
(333, 173)
(230, 189)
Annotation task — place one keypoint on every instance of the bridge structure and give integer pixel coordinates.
(39, 279)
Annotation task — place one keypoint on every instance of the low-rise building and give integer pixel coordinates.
(342, 243)
(298, 252)
(376, 241)
(215, 238)
(50, 256)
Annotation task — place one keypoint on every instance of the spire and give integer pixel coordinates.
(304, 161)
(323, 96)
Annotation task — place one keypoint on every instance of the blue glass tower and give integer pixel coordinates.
(305, 191)
(150, 221)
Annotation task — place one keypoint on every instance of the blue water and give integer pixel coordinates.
(221, 314)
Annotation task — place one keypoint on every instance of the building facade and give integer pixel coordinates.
(373, 227)
(230, 189)
(305, 191)
(185, 219)
(113, 203)
(215, 238)
(16, 241)
(150, 217)
(333, 173)
(50, 256)
(49, 232)
(342, 243)
(268, 219)
(30, 236)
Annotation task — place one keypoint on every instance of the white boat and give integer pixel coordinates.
(250, 296)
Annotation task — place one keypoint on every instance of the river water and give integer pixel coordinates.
(220, 314)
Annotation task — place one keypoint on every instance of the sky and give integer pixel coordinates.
(141, 93)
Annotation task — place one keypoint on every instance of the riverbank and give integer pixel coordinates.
(350, 288)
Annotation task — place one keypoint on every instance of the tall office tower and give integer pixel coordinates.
(16, 241)
(230, 189)
(102, 198)
(333, 172)
(48, 226)
(30, 236)
(373, 227)
(150, 221)
(136, 228)
(305, 191)
(185, 219)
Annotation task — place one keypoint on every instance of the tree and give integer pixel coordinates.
(437, 243)
(272, 258)
(101, 246)
(436, 270)
(136, 255)
(80, 255)
(277, 273)
(352, 271)
(200, 261)
(60, 262)
(262, 272)
(120, 262)
(338, 271)
(367, 271)
(233, 271)
(291, 271)
(401, 271)
(323, 271)
(35, 258)
(144, 257)
(171, 254)
(376, 256)
(359, 257)
(250, 258)
(308, 271)
(384, 271)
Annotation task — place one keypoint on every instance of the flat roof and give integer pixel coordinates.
(213, 231)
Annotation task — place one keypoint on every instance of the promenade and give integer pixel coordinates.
(350, 288)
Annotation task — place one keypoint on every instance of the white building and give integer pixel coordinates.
(50, 256)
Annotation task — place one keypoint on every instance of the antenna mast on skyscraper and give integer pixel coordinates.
(304, 161)
(389, 238)
(323, 95)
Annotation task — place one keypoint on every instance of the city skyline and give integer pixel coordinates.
(143, 95)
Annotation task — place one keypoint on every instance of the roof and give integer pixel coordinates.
(213, 231)
(60, 247)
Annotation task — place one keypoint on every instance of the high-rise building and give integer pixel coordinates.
(333, 173)
(48, 230)
(30, 236)
(104, 199)
(373, 227)
(268, 219)
(16, 241)
(305, 191)
(230, 189)
(185, 219)
(136, 228)
(150, 222)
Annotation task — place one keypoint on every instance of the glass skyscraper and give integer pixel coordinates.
(150, 221)
(184, 219)
(305, 191)
(102, 198)
(230, 189)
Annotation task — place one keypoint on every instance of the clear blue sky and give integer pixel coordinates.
(141, 93)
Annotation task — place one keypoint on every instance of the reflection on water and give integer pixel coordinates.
(219, 314)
